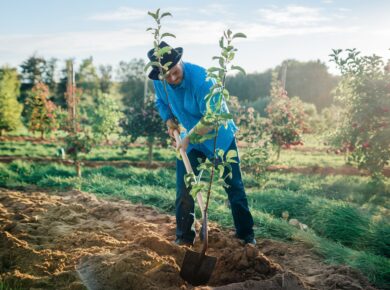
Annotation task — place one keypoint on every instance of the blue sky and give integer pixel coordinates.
(112, 31)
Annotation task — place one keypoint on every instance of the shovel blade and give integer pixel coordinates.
(197, 269)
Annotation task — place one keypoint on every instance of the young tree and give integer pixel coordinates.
(78, 139)
(286, 122)
(364, 92)
(145, 122)
(41, 111)
(10, 109)
(105, 118)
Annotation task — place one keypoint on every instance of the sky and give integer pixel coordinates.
(114, 31)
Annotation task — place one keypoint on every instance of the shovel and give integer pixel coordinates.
(197, 267)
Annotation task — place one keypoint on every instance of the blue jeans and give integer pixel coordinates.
(242, 217)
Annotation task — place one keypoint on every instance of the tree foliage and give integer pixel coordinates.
(132, 82)
(88, 81)
(41, 111)
(10, 108)
(105, 118)
(364, 92)
(144, 122)
(286, 118)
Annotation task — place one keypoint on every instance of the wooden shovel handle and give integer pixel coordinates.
(188, 167)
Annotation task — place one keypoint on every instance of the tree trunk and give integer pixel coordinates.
(1, 132)
(150, 154)
(42, 135)
(78, 169)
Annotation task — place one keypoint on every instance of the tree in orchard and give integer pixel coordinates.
(364, 93)
(105, 118)
(78, 140)
(144, 121)
(286, 118)
(10, 109)
(258, 153)
(41, 111)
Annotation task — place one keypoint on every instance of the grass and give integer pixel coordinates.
(101, 153)
(345, 225)
(111, 153)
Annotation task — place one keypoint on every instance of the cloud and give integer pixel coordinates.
(71, 44)
(292, 16)
(121, 14)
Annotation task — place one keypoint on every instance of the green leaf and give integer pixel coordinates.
(167, 34)
(152, 14)
(231, 154)
(165, 14)
(162, 51)
(166, 66)
(239, 35)
(213, 69)
(221, 44)
(157, 13)
(221, 169)
(229, 32)
(236, 67)
(151, 63)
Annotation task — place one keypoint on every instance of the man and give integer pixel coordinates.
(187, 87)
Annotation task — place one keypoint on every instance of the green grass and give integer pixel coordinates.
(110, 153)
(100, 153)
(343, 228)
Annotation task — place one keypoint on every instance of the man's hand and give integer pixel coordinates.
(184, 143)
(172, 126)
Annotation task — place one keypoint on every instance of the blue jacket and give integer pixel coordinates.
(188, 104)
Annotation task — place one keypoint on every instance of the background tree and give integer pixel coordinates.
(88, 81)
(249, 88)
(364, 92)
(49, 76)
(285, 118)
(311, 81)
(105, 118)
(145, 122)
(105, 78)
(257, 156)
(32, 72)
(132, 83)
(79, 139)
(10, 108)
(41, 111)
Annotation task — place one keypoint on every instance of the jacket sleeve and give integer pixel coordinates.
(161, 103)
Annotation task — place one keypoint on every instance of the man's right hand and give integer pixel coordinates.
(172, 126)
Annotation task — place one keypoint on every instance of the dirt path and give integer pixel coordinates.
(74, 240)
